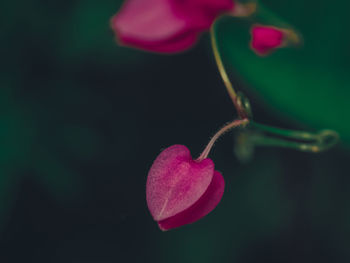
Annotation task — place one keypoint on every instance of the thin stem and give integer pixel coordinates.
(299, 140)
(229, 87)
(224, 129)
(299, 135)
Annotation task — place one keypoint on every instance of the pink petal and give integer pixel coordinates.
(149, 23)
(202, 13)
(201, 208)
(265, 39)
(175, 182)
(165, 25)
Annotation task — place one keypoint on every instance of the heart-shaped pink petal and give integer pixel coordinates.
(175, 182)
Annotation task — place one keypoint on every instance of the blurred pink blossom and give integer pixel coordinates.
(166, 26)
(266, 38)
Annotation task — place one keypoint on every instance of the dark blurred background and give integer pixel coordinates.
(82, 119)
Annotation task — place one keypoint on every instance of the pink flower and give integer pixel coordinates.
(166, 25)
(266, 38)
(181, 190)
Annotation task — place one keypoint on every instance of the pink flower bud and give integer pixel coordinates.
(166, 26)
(266, 38)
(181, 190)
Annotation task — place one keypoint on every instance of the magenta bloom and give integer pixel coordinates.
(266, 38)
(181, 190)
(166, 25)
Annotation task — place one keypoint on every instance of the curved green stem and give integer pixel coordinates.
(229, 87)
(300, 140)
(299, 135)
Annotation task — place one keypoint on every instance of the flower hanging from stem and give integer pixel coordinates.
(181, 190)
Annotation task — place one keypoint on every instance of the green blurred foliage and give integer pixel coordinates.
(309, 84)
(42, 39)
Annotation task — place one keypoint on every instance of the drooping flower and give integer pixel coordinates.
(266, 39)
(181, 190)
(166, 26)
